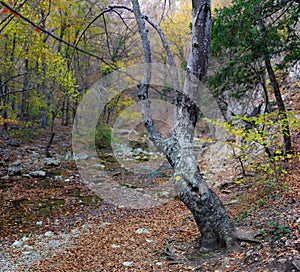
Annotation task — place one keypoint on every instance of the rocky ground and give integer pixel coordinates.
(51, 221)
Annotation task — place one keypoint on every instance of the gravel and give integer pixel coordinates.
(27, 250)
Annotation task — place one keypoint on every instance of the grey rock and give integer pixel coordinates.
(13, 171)
(69, 156)
(8, 158)
(26, 247)
(17, 243)
(37, 174)
(98, 166)
(249, 253)
(142, 231)
(29, 162)
(75, 232)
(282, 260)
(17, 163)
(115, 246)
(128, 263)
(5, 137)
(51, 162)
(35, 156)
(25, 238)
(49, 234)
(59, 157)
(165, 194)
(138, 151)
(145, 158)
(12, 142)
(117, 174)
(84, 227)
(81, 156)
(27, 252)
(3, 163)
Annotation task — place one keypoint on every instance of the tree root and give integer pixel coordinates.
(244, 235)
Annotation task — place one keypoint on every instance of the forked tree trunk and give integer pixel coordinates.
(210, 215)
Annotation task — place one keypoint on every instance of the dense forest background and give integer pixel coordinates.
(53, 51)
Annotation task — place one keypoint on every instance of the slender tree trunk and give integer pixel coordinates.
(277, 93)
(23, 109)
(281, 107)
(66, 111)
(210, 215)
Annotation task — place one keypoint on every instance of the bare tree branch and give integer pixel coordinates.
(51, 34)
(167, 49)
(10, 17)
(146, 111)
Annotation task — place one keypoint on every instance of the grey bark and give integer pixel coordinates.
(210, 215)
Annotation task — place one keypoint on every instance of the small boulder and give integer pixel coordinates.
(17, 243)
(81, 156)
(98, 166)
(142, 231)
(37, 174)
(51, 162)
(69, 156)
(13, 171)
(49, 234)
(17, 163)
(3, 163)
(12, 142)
(5, 137)
(35, 156)
(128, 263)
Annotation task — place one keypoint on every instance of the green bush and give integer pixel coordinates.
(103, 135)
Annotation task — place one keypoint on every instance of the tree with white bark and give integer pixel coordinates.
(213, 221)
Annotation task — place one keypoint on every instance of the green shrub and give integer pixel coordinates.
(103, 135)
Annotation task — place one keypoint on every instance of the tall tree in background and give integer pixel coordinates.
(210, 215)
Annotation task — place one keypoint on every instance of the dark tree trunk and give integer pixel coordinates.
(210, 215)
(23, 110)
(276, 90)
(281, 107)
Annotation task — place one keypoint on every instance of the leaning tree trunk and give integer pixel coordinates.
(210, 215)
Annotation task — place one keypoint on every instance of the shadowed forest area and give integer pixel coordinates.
(127, 194)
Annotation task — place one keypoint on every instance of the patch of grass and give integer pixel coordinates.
(90, 200)
(76, 192)
(48, 184)
(278, 231)
(49, 206)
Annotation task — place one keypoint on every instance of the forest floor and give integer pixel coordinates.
(54, 222)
